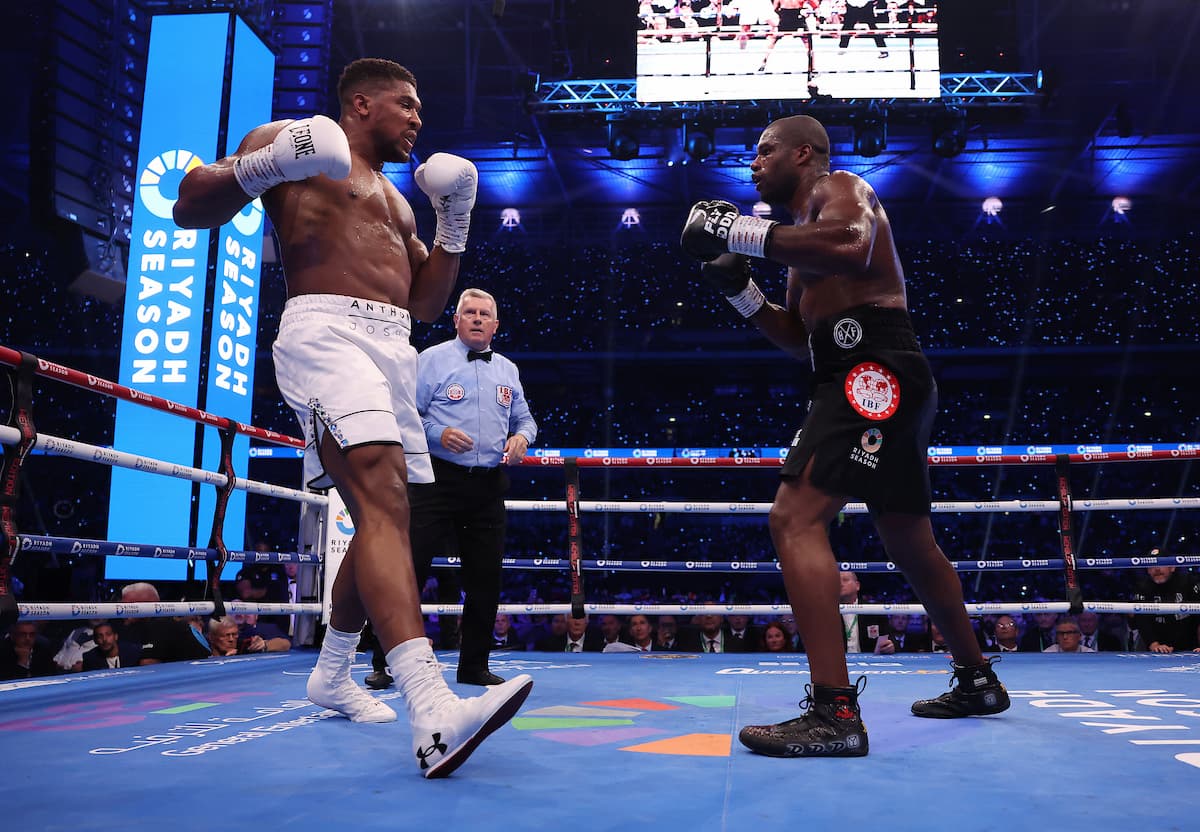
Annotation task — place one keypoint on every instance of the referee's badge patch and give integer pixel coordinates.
(455, 392)
(503, 395)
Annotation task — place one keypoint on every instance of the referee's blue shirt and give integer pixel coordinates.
(483, 399)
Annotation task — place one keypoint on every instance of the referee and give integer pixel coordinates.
(476, 419)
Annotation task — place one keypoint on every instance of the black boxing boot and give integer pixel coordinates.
(831, 727)
(977, 693)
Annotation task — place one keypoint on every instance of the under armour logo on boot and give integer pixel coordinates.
(423, 754)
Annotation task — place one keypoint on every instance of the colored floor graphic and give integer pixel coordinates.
(611, 721)
(673, 765)
(691, 745)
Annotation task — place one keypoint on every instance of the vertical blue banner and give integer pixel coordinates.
(233, 339)
(164, 298)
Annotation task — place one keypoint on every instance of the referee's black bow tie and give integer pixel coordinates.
(472, 355)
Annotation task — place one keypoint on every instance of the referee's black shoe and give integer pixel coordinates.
(379, 680)
(478, 676)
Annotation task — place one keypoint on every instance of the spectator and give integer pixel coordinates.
(1091, 634)
(576, 639)
(1006, 635)
(665, 632)
(223, 636)
(610, 628)
(503, 635)
(109, 652)
(641, 635)
(742, 636)
(774, 639)
(260, 635)
(896, 638)
(1167, 632)
(25, 653)
(795, 643)
(1038, 638)
(1069, 638)
(160, 639)
(859, 632)
(710, 630)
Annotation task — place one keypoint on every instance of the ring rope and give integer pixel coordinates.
(46, 544)
(86, 381)
(860, 609)
(947, 506)
(58, 446)
(1182, 450)
(185, 608)
(1006, 565)
(156, 609)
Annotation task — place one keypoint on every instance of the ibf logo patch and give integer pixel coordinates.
(455, 392)
(873, 391)
(504, 395)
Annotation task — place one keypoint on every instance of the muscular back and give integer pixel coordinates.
(868, 269)
(355, 236)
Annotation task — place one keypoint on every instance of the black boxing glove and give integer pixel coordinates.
(730, 275)
(714, 227)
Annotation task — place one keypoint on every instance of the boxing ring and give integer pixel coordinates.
(605, 741)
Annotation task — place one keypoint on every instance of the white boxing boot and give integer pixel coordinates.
(330, 685)
(445, 728)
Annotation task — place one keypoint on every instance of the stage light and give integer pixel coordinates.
(1121, 206)
(761, 209)
(870, 137)
(510, 218)
(631, 218)
(698, 143)
(622, 144)
(949, 133)
(992, 206)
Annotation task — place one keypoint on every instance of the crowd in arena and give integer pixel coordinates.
(1033, 342)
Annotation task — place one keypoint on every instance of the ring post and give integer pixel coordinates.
(216, 539)
(21, 417)
(574, 538)
(1066, 533)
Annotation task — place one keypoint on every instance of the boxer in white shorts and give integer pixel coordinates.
(345, 366)
(355, 271)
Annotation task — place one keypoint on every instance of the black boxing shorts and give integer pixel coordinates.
(871, 412)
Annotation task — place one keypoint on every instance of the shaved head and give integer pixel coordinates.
(795, 131)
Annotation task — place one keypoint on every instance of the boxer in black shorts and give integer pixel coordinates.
(871, 411)
(867, 430)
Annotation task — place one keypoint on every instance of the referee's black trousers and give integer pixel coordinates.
(462, 514)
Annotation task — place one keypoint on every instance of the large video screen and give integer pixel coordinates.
(740, 50)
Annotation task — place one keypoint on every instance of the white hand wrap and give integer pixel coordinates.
(749, 235)
(748, 301)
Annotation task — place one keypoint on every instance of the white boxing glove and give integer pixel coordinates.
(450, 183)
(305, 148)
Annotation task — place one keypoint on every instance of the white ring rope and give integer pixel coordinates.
(951, 506)
(162, 609)
(860, 609)
(157, 609)
(58, 446)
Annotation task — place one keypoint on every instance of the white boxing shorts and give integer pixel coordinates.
(346, 367)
